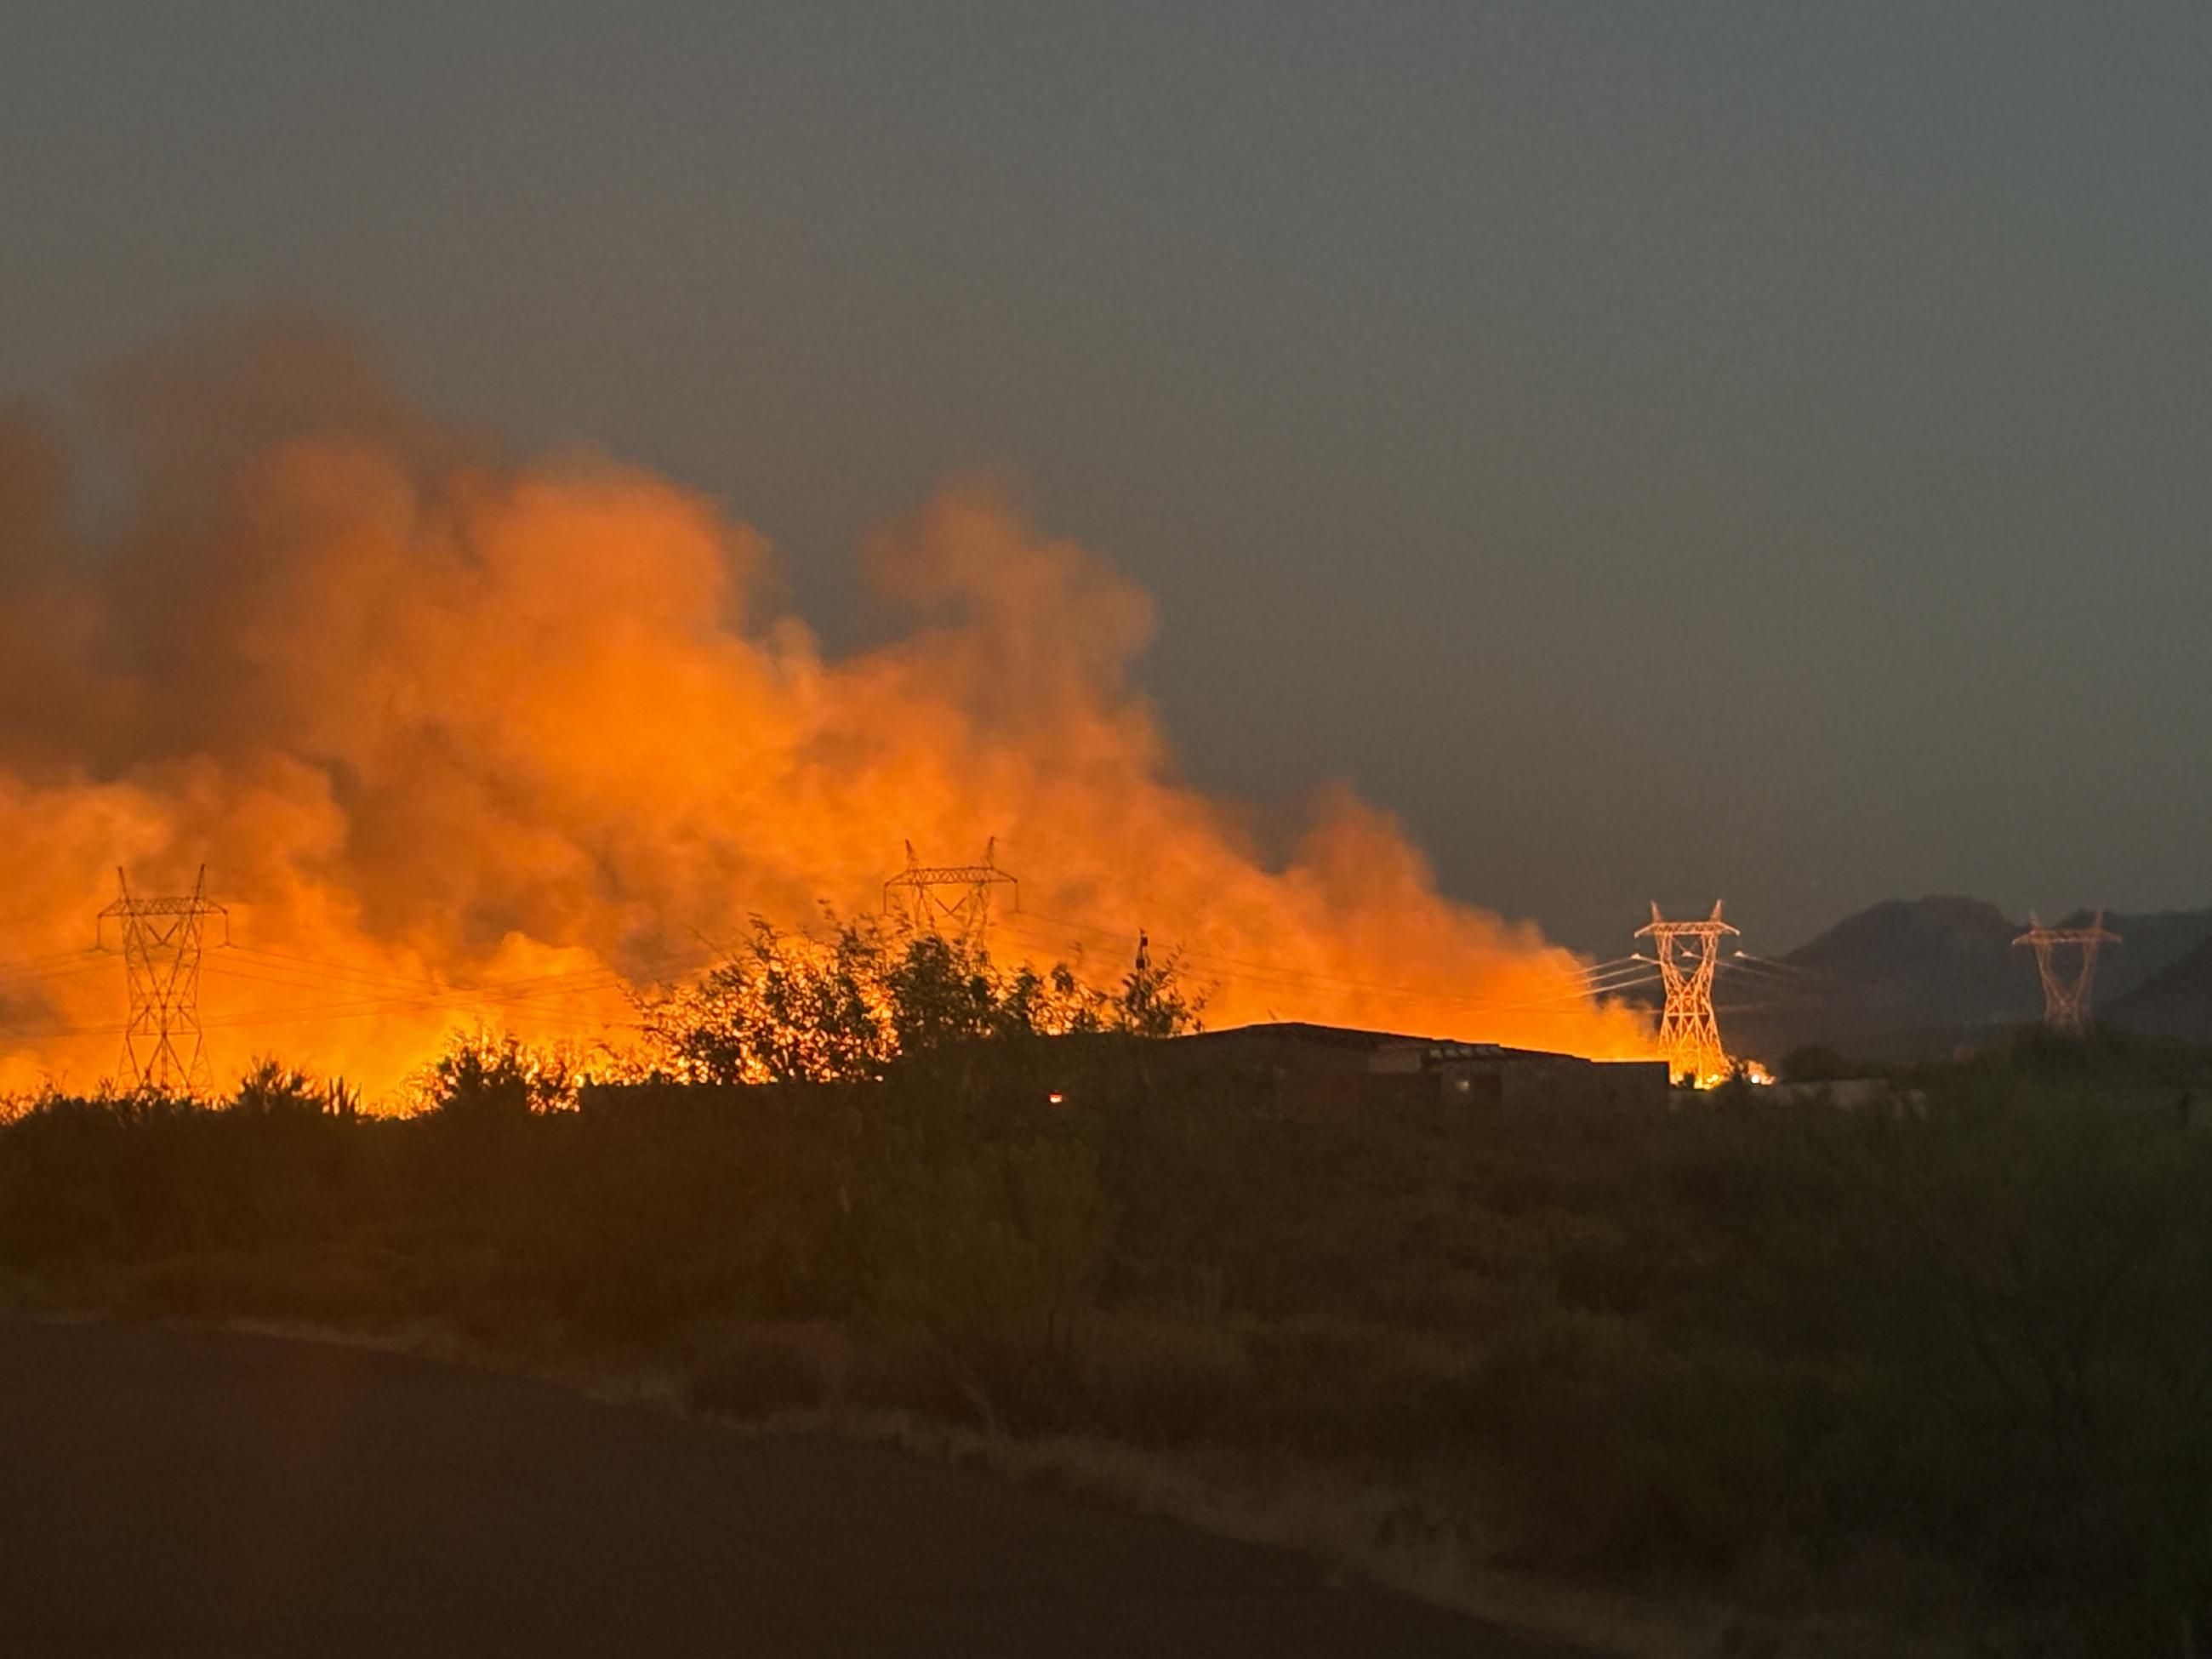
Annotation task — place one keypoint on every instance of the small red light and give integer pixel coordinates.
(1055, 1096)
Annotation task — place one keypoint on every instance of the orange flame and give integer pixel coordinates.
(458, 739)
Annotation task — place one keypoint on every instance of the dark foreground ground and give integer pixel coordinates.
(173, 1492)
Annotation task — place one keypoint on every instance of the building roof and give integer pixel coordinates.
(1303, 1033)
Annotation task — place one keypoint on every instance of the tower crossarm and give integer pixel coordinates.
(947, 875)
(932, 896)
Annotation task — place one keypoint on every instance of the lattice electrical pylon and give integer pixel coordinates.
(1689, 1034)
(951, 899)
(161, 939)
(2066, 996)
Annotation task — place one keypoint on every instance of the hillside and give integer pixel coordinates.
(1916, 977)
(2176, 1001)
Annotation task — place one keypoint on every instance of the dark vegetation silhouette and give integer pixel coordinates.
(1961, 1337)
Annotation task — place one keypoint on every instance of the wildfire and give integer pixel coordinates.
(1743, 1070)
(458, 739)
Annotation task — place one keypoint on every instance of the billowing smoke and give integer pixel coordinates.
(456, 736)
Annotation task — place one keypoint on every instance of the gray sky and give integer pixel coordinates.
(1658, 449)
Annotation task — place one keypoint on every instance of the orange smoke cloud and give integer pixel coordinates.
(457, 737)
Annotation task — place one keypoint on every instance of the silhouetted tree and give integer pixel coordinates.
(271, 1089)
(792, 1008)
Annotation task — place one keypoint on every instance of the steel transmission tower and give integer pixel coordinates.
(2066, 996)
(162, 1048)
(1688, 952)
(948, 899)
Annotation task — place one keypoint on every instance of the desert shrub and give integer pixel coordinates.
(1331, 1386)
(1815, 1063)
(2048, 1259)
(993, 1257)
(1165, 1381)
(669, 1209)
(1625, 1453)
(271, 1089)
(488, 1077)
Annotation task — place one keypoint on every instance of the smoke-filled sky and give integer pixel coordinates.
(1653, 450)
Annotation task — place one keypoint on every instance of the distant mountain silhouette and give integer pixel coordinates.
(2176, 1001)
(2150, 943)
(1914, 978)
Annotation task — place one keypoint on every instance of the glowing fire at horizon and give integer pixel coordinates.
(461, 738)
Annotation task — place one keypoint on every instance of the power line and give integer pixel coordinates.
(90, 962)
(1601, 981)
(1299, 978)
(369, 1006)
